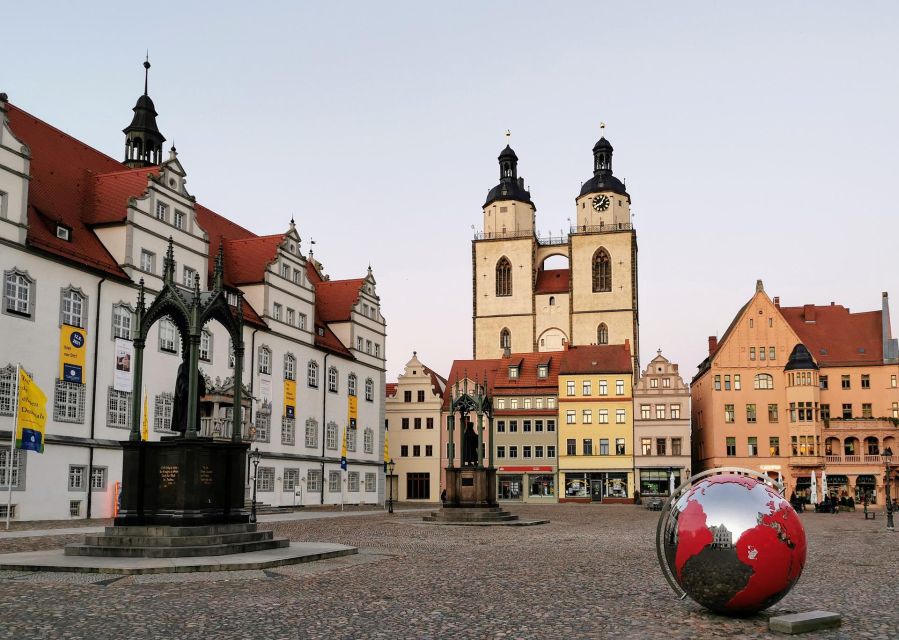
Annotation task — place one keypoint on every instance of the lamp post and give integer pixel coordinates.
(390, 467)
(887, 455)
(255, 456)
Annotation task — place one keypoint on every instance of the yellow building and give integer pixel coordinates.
(520, 305)
(596, 424)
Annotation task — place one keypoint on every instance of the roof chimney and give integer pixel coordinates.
(777, 301)
(808, 313)
(713, 345)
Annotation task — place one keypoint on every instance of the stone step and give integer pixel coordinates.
(176, 541)
(438, 516)
(472, 509)
(168, 531)
(175, 552)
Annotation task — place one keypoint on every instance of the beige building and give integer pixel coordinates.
(661, 428)
(412, 412)
(792, 390)
(523, 306)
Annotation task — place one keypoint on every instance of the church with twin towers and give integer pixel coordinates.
(519, 305)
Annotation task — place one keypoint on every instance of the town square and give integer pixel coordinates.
(486, 320)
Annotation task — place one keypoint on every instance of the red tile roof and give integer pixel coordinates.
(527, 381)
(390, 389)
(62, 170)
(246, 259)
(836, 337)
(335, 299)
(477, 370)
(597, 358)
(109, 194)
(553, 281)
(438, 382)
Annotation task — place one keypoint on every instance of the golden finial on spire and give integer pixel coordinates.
(508, 136)
(602, 129)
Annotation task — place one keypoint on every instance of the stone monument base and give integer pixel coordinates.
(181, 482)
(468, 487)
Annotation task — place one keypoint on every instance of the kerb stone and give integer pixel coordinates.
(804, 622)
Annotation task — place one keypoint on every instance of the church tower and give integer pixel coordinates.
(604, 307)
(503, 266)
(521, 305)
(143, 141)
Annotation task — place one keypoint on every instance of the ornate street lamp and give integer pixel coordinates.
(887, 455)
(255, 456)
(390, 468)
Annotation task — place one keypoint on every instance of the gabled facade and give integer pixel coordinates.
(661, 428)
(792, 390)
(520, 305)
(79, 230)
(413, 423)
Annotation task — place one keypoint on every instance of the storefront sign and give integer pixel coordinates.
(769, 467)
(524, 469)
(72, 348)
(124, 354)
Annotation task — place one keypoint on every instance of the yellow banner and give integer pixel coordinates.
(72, 349)
(145, 425)
(353, 407)
(290, 398)
(32, 415)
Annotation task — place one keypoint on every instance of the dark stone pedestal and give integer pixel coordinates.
(470, 487)
(180, 482)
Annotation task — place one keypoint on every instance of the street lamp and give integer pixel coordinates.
(255, 456)
(390, 467)
(887, 455)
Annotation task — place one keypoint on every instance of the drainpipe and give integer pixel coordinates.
(324, 423)
(252, 380)
(90, 450)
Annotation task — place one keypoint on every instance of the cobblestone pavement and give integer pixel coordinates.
(590, 573)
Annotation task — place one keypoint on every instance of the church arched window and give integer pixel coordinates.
(505, 339)
(602, 334)
(504, 277)
(602, 270)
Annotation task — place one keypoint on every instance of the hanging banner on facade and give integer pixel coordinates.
(353, 410)
(31, 415)
(290, 398)
(124, 355)
(72, 348)
(265, 389)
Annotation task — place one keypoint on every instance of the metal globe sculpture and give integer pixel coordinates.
(728, 539)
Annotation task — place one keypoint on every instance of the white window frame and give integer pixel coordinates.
(314, 481)
(205, 351)
(288, 431)
(277, 311)
(311, 433)
(168, 336)
(369, 389)
(122, 320)
(118, 409)
(334, 481)
(178, 219)
(16, 284)
(371, 482)
(290, 367)
(352, 482)
(312, 374)
(76, 477)
(332, 379)
(98, 478)
(72, 307)
(162, 211)
(368, 440)
(68, 402)
(163, 404)
(187, 277)
(265, 360)
(331, 436)
(147, 261)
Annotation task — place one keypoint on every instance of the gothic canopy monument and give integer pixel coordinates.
(185, 480)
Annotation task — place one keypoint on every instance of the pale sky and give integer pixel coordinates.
(757, 139)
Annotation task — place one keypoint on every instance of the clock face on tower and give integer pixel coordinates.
(601, 202)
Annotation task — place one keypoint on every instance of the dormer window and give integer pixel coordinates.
(513, 372)
(63, 233)
(541, 370)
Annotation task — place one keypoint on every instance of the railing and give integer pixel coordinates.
(602, 228)
(833, 459)
(859, 423)
(849, 459)
(550, 241)
(494, 235)
(806, 461)
(875, 459)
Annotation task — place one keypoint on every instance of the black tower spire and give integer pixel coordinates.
(143, 141)
(510, 186)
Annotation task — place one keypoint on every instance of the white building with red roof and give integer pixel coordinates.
(79, 231)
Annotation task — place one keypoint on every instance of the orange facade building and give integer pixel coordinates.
(793, 390)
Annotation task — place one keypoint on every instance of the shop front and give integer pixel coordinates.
(838, 487)
(596, 486)
(657, 482)
(866, 488)
(526, 483)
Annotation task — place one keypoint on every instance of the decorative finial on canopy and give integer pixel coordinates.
(146, 71)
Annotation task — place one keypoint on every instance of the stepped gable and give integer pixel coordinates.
(62, 171)
(597, 358)
(834, 336)
(552, 281)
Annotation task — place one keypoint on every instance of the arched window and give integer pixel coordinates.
(72, 307)
(290, 367)
(764, 381)
(122, 316)
(602, 270)
(312, 374)
(505, 339)
(206, 345)
(351, 384)
(369, 389)
(602, 334)
(18, 293)
(265, 360)
(332, 379)
(504, 277)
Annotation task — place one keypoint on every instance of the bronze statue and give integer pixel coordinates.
(469, 446)
(179, 404)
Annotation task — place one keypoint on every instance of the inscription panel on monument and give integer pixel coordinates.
(206, 475)
(168, 475)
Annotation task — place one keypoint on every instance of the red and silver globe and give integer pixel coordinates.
(728, 539)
